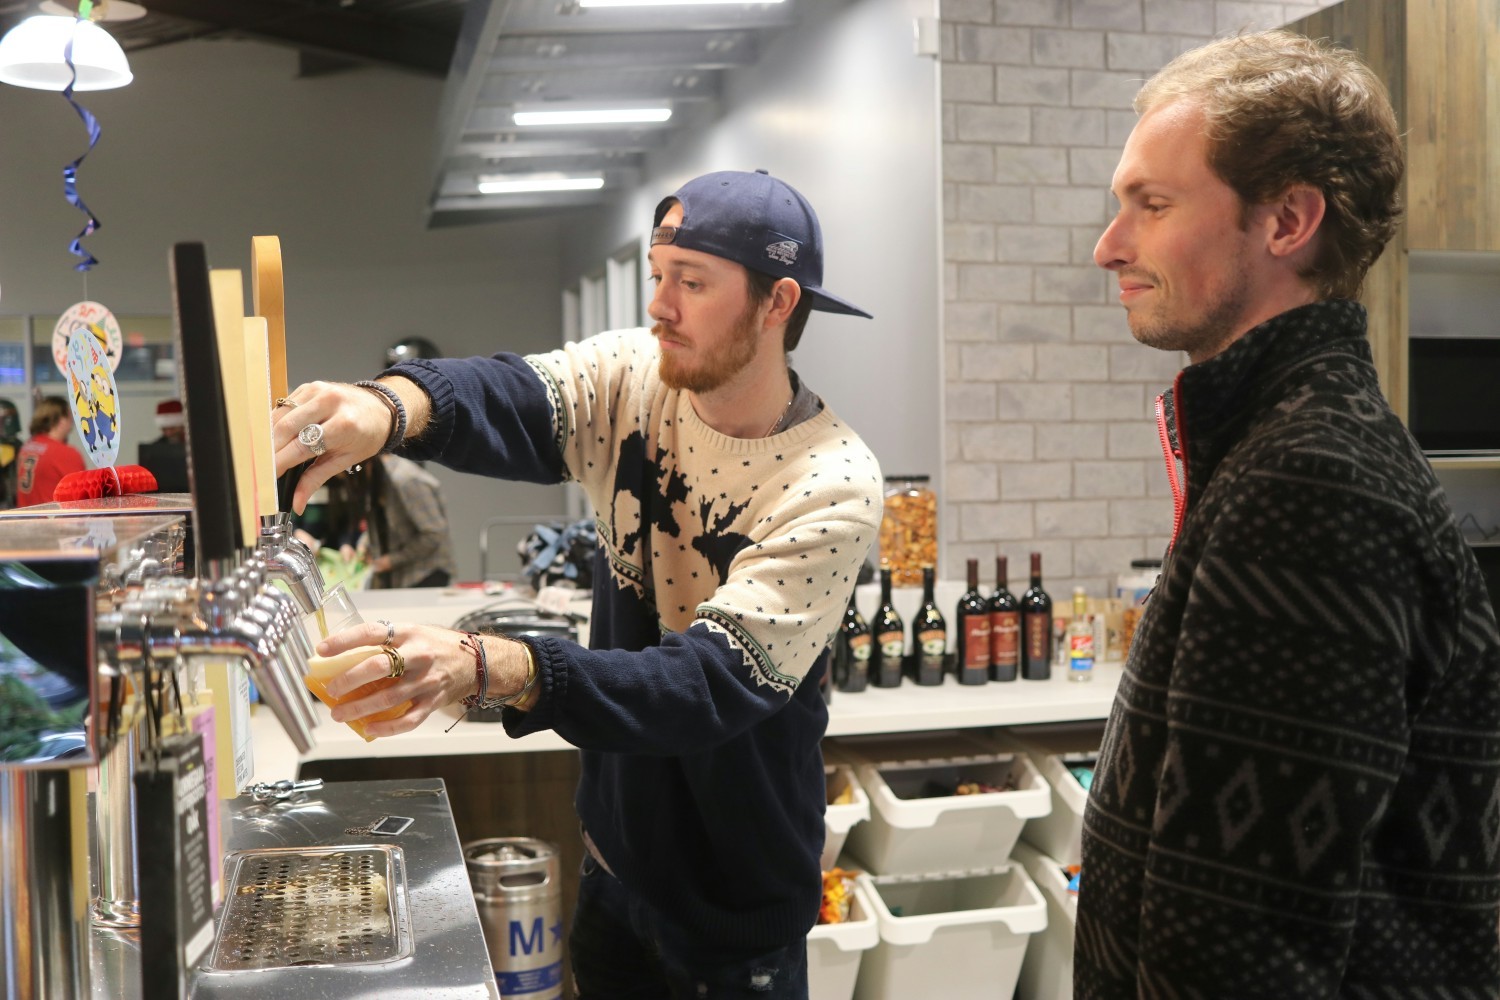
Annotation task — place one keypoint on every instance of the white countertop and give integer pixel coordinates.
(875, 710)
(907, 708)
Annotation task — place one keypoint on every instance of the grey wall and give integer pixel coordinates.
(218, 141)
(1051, 445)
(843, 109)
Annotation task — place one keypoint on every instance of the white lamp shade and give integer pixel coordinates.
(31, 55)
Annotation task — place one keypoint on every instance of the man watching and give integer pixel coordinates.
(735, 510)
(1299, 789)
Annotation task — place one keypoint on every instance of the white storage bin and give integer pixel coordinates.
(838, 819)
(1053, 749)
(1047, 972)
(957, 936)
(834, 950)
(911, 835)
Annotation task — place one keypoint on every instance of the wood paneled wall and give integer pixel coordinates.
(1453, 104)
(1376, 29)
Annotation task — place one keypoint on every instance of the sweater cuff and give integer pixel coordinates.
(551, 682)
(439, 429)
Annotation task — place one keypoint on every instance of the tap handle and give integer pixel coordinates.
(216, 519)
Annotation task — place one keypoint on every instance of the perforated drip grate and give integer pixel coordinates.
(333, 906)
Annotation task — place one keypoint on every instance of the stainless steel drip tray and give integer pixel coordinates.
(313, 906)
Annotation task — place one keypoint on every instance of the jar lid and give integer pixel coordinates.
(907, 479)
(1145, 564)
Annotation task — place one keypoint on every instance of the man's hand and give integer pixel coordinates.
(355, 426)
(439, 671)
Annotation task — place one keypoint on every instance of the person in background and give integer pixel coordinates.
(406, 525)
(166, 457)
(47, 457)
(10, 450)
(735, 510)
(1298, 793)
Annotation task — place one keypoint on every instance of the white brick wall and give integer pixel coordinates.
(1050, 443)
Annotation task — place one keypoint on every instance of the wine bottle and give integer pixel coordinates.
(929, 635)
(1080, 639)
(972, 627)
(1036, 626)
(852, 648)
(890, 638)
(1005, 627)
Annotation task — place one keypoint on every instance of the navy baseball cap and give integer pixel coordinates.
(756, 221)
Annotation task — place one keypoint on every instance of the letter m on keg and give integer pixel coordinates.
(523, 941)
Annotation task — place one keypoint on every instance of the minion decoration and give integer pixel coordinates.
(93, 397)
(99, 323)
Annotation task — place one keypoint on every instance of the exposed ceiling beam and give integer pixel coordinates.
(340, 31)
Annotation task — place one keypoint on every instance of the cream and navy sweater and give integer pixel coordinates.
(1299, 789)
(723, 569)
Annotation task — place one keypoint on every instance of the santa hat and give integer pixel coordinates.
(169, 413)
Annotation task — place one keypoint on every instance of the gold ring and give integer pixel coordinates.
(398, 662)
(286, 401)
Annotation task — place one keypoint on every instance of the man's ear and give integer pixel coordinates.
(785, 295)
(1294, 220)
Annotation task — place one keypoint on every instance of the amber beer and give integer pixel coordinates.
(322, 669)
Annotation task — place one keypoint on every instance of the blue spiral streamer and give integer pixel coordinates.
(70, 172)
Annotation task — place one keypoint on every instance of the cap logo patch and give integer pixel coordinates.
(663, 234)
(784, 252)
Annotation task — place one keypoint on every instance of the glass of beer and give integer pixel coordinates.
(338, 613)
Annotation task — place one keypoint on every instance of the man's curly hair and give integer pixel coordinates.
(1283, 110)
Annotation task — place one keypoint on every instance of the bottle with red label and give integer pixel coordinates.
(1036, 626)
(1005, 627)
(972, 627)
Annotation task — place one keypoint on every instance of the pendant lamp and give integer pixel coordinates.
(31, 55)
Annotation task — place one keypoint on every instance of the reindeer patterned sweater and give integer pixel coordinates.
(723, 569)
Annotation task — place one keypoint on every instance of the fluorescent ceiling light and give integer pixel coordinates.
(596, 116)
(534, 183)
(667, 3)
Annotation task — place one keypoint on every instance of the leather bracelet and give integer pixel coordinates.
(398, 412)
(475, 645)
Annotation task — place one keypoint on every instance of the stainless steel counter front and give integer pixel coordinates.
(448, 959)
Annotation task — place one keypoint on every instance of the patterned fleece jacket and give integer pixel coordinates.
(1299, 789)
(723, 569)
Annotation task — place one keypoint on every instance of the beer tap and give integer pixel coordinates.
(291, 561)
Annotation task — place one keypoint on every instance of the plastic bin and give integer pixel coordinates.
(1053, 749)
(838, 819)
(1047, 972)
(957, 936)
(834, 950)
(911, 835)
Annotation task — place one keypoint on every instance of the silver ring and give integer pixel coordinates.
(390, 631)
(311, 437)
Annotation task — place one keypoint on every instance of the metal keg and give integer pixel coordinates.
(518, 889)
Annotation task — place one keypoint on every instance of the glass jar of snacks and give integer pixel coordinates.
(908, 531)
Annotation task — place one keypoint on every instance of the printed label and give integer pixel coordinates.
(976, 642)
(1081, 652)
(860, 648)
(934, 643)
(1038, 636)
(519, 984)
(1005, 638)
(892, 645)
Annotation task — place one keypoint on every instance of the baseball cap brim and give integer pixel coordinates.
(825, 302)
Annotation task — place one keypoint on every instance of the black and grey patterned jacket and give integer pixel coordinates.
(1299, 791)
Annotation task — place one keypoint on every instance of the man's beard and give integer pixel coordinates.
(721, 363)
(1203, 336)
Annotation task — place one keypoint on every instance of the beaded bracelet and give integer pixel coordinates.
(393, 403)
(481, 699)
